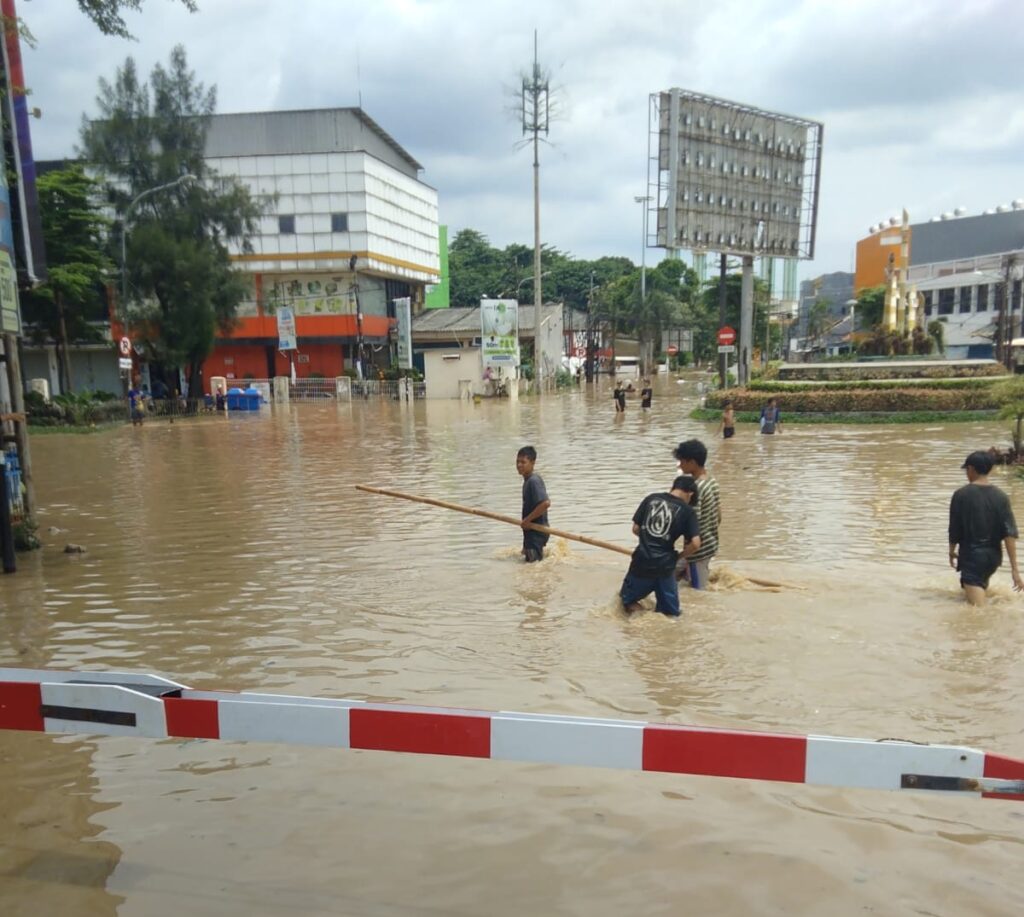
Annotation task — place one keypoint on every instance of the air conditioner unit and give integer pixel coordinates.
(451, 356)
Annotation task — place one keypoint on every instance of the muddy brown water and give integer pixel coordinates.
(236, 554)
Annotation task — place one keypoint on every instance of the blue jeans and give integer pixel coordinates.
(666, 592)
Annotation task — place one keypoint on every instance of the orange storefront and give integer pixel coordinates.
(873, 257)
(326, 347)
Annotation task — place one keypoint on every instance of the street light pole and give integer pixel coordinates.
(188, 176)
(643, 200)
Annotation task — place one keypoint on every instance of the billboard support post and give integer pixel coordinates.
(746, 320)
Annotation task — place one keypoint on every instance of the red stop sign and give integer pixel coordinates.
(671, 350)
(726, 335)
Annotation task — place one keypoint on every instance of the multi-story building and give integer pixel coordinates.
(350, 228)
(968, 269)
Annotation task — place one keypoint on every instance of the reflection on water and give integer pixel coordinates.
(237, 554)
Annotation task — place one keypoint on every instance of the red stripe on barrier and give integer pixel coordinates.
(19, 706)
(421, 733)
(755, 756)
(999, 767)
(192, 719)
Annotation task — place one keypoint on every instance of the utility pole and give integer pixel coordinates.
(643, 200)
(722, 357)
(589, 358)
(535, 120)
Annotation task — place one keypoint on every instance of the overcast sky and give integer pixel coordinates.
(922, 100)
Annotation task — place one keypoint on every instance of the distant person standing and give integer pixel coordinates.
(620, 398)
(692, 456)
(771, 417)
(728, 421)
(659, 521)
(646, 394)
(980, 522)
(535, 505)
(136, 403)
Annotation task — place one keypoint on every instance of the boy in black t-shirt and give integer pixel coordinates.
(646, 393)
(658, 522)
(535, 505)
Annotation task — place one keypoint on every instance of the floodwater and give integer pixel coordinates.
(236, 554)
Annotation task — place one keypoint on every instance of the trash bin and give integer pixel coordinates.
(236, 401)
(253, 397)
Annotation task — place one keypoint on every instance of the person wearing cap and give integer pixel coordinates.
(980, 523)
(659, 521)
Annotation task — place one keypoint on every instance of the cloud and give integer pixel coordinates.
(920, 99)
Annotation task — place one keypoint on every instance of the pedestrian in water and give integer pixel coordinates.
(620, 398)
(771, 418)
(659, 521)
(692, 456)
(646, 394)
(535, 505)
(728, 421)
(980, 523)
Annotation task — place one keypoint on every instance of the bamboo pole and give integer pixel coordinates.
(511, 520)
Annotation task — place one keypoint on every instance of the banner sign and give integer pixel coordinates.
(403, 311)
(10, 319)
(499, 332)
(286, 339)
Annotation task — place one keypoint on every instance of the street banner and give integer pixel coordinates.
(403, 311)
(10, 319)
(286, 339)
(499, 332)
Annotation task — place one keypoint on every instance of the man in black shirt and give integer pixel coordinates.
(980, 523)
(658, 522)
(535, 505)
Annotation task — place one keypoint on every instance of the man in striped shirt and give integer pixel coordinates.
(696, 566)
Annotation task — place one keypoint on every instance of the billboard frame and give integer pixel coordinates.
(763, 155)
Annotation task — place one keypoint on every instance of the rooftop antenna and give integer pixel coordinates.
(535, 94)
(359, 81)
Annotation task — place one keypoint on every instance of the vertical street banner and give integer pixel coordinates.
(10, 316)
(403, 311)
(286, 339)
(499, 332)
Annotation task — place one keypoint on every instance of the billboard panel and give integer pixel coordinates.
(733, 179)
(499, 332)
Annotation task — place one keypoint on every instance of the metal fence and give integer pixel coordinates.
(389, 389)
(327, 389)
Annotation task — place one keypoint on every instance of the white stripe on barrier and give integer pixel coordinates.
(148, 712)
(293, 724)
(556, 740)
(880, 765)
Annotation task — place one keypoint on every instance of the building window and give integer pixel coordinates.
(965, 299)
(1015, 304)
(928, 303)
(982, 297)
(339, 222)
(946, 300)
(286, 224)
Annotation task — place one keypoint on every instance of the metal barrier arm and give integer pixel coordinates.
(95, 703)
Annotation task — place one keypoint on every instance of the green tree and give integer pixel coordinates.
(818, 321)
(1009, 395)
(937, 332)
(71, 299)
(107, 14)
(178, 264)
(870, 305)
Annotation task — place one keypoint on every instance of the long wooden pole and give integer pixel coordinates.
(511, 520)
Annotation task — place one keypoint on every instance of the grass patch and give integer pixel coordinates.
(75, 429)
(855, 417)
(775, 385)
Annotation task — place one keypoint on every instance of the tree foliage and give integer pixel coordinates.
(107, 14)
(1010, 397)
(72, 298)
(182, 286)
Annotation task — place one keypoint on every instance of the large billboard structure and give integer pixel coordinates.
(728, 178)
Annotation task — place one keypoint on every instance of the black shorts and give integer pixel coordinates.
(977, 564)
(533, 546)
(728, 432)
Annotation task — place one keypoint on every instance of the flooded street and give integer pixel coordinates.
(237, 554)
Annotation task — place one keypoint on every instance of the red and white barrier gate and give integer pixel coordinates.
(125, 704)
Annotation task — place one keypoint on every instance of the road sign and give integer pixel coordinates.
(126, 347)
(124, 363)
(727, 348)
(671, 350)
(726, 335)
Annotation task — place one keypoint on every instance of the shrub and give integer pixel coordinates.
(842, 400)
